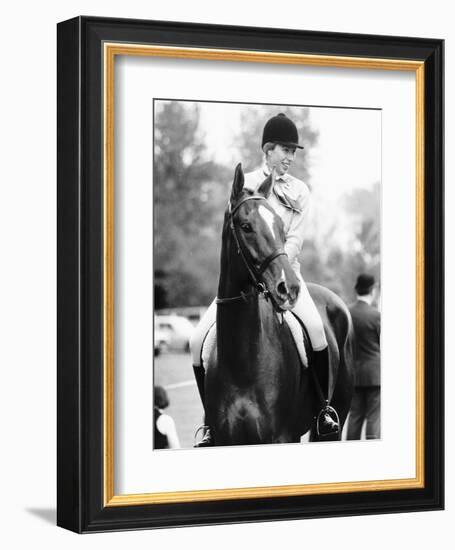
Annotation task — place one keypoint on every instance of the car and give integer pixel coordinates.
(175, 330)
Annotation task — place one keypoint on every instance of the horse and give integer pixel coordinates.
(257, 390)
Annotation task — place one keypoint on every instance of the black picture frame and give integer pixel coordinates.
(81, 438)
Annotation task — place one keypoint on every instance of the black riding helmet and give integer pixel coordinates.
(280, 129)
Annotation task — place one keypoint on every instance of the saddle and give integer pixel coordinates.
(298, 331)
(300, 335)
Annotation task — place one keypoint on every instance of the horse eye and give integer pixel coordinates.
(246, 227)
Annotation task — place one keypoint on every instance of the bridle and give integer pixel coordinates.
(254, 271)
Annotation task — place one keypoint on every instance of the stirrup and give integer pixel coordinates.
(327, 421)
(207, 438)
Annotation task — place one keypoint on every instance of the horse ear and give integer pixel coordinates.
(237, 184)
(266, 186)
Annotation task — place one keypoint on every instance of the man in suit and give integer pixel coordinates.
(366, 403)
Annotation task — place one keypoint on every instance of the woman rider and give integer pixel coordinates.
(289, 198)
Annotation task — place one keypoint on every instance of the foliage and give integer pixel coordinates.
(189, 201)
(359, 252)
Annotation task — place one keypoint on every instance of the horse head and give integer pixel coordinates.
(253, 243)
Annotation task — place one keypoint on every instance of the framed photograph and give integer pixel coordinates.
(250, 274)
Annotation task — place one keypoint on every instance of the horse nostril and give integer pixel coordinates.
(281, 288)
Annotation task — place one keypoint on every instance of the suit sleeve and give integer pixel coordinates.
(296, 233)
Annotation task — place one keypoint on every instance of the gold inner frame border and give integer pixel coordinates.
(110, 50)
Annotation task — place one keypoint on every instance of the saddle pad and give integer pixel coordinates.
(297, 334)
(208, 344)
(294, 326)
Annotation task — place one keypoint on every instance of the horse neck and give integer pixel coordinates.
(231, 282)
(241, 331)
(242, 326)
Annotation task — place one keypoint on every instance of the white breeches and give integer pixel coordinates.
(200, 332)
(304, 309)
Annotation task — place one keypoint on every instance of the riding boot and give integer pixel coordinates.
(327, 418)
(207, 439)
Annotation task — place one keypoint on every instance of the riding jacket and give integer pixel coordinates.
(290, 199)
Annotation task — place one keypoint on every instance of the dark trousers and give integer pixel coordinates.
(366, 405)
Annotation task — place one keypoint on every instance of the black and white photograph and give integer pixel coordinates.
(267, 273)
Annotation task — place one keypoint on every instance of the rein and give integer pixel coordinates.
(254, 272)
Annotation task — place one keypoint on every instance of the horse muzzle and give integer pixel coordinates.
(286, 294)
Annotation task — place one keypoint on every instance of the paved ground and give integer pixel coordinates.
(174, 372)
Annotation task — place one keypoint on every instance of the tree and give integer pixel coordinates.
(188, 207)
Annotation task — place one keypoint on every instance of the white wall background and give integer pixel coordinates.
(27, 276)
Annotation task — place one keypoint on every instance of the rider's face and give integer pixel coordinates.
(281, 157)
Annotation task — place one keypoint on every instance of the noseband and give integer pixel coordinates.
(254, 271)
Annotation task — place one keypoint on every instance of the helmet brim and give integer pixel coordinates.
(290, 144)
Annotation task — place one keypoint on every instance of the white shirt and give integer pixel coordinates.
(165, 425)
(367, 298)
